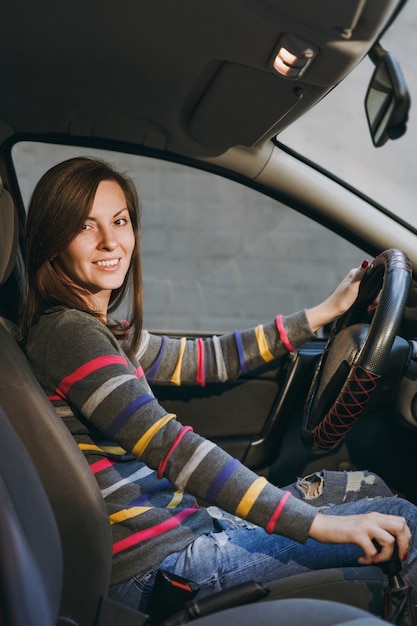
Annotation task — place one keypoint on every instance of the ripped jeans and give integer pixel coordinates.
(239, 551)
(327, 487)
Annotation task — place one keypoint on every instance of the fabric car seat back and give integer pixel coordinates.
(31, 559)
(72, 491)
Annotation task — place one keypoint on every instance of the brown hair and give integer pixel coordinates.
(60, 204)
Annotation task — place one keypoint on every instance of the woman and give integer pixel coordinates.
(82, 254)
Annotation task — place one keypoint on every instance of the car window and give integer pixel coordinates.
(216, 255)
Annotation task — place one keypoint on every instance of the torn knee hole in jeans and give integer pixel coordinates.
(341, 486)
(312, 486)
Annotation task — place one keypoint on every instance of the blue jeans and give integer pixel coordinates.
(239, 551)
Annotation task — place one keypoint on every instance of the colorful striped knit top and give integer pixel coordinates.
(150, 468)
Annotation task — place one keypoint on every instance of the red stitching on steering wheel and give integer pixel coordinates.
(390, 276)
(339, 420)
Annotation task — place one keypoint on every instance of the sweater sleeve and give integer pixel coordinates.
(216, 359)
(78, 361)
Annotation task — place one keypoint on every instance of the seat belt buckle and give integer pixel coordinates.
(169, 595)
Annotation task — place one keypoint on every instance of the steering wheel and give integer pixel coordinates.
(351, 368)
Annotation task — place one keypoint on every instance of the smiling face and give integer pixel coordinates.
(98, 258)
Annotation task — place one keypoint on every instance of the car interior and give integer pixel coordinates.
(41, 585)
(209, 85)
(67, 489)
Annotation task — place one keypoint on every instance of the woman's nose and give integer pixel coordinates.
(108, 239)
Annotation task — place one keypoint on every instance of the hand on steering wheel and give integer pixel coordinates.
(352, 365)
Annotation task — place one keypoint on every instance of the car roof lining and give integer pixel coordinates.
(195, 81)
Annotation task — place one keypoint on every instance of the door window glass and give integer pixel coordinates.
(216, 255)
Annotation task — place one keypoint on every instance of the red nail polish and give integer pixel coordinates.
(365, 264)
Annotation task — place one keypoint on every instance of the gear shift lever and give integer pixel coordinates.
(398, 598)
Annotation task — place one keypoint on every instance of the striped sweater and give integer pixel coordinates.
(150, 468)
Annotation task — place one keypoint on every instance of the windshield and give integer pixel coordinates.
(335, 134)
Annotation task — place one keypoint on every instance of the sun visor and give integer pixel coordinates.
(239, 93)
(313, 50)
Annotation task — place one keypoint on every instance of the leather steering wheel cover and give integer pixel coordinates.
(387, 319)
(325, 432)
(350, 403)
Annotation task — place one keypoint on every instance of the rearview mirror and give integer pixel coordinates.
(387, 100)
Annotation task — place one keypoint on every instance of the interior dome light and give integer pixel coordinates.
(294, 56)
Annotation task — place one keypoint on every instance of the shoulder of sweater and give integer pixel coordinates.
(61, 330)
(63, 321)
(63, 315)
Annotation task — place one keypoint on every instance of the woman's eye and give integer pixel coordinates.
(122, 221)
(85, 227)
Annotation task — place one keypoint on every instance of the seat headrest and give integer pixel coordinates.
(8, 234)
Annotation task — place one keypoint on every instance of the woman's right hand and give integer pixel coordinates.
(376, 533)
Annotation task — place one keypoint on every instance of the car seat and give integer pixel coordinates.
(78, 507)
